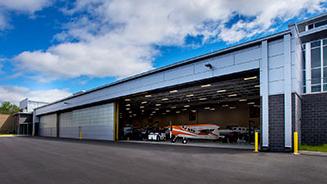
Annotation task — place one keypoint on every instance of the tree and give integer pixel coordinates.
(8, 108)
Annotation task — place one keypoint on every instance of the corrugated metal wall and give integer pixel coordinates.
(94, 122)
(48, 125)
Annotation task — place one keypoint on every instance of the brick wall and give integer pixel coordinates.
(276, 123)
(314, 119)
(7, 124)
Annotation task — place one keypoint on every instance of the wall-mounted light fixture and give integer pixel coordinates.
(208, 65)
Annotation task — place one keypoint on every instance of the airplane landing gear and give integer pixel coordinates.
(184, 141)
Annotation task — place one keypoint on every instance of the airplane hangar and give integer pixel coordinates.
(266, 85)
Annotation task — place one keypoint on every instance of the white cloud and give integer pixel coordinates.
(15, 94)
(29, 6)
(20, 6)
(118, 38)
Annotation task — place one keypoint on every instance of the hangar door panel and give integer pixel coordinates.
(94, 123)
(48, 125)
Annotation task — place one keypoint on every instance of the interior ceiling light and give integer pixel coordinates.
(173, 91)
(156, 109)
(142, 110)
(130, 112)
(232, 107)
(128, 105)
(144, 102)
(141, 107)
(250, 78)
(127, 100)
(158, 105)
(148, 96)
(153, 112)
(257, 86)
(206, 85)
(232, 95)
(189, 95)
(212, 109)
(243, 100)
(207, 108)
(128, 109)
(193, 110)
(251, 103)
(186, 105)
(226, 105)
(173, 107)
(202, 98)
(221, 91)
(163, 113)
(164, 99)
(184, 109)
(178, 112)
(167, 110)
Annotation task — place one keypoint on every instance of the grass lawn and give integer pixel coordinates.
(321, 148)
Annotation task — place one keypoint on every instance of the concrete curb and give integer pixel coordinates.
(314, 153)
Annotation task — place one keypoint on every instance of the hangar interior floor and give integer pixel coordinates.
(196, 144)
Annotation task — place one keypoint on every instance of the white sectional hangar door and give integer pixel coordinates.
(93, 123)
(48, 125)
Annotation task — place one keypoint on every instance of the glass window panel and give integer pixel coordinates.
(315, 57)
(322, 23)
(315, 44)
(325, 87)
(325, 75)
(304, 90)
(310, 26)
(316, 88)
(325, 56)
(303, 56)
(315, 76)
(325, 42)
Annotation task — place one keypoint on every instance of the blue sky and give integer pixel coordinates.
(51, 48)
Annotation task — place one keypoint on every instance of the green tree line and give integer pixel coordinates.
(8, 108)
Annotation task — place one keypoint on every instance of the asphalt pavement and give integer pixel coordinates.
(46, 161)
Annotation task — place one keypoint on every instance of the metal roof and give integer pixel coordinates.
(177, 64)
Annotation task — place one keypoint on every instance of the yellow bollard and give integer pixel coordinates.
(296, 143)
(80, 134)
(256, 142)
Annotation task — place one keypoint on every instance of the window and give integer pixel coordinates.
(322, 23)
(315, 76)
(316, 88)
(310, 26)
(315, 44)
(315, 57)
(318, 66)
(325, 55)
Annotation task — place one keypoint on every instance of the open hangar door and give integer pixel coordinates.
(217, 110)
